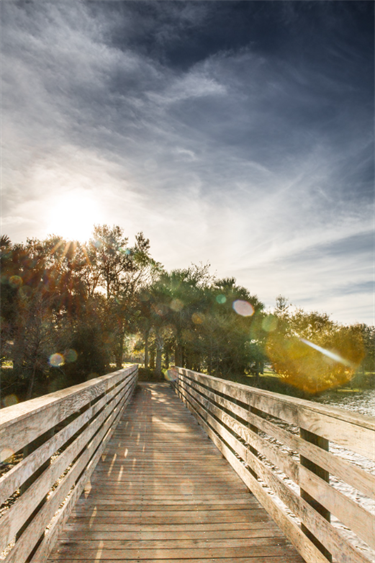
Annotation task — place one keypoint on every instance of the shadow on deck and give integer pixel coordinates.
(162, 491)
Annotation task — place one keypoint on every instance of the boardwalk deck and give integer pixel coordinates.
(162, 492)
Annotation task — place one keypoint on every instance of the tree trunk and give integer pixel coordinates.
(178, 355)
(30, 387)
(188, 360)
(166, 352)
(147, 333)
(183, 357)
(152, 358)
(159, 350)
(119, 352)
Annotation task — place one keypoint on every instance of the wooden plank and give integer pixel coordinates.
(173, 538)
(346, 510)
(177, 554)
(14, 478)
(203, 527)
(151, 519)
(256, 559)
(22, 423)
(328, 536)
(37, 526)
(25, 505)
(58, 523)
(162, 545)
(351, 430)
(353, 475)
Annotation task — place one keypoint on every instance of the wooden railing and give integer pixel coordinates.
(51, 446)
(278, 445)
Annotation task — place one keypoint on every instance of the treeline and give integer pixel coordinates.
(69, 310)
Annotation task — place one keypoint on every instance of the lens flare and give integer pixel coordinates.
(176, 305)
(313, 368)
(221, 299)
(15, 281)
(197, 318)
(56, 360)
(10, 400)
(328, 353)
(171, 375)
(243, 308)
(70, 356)
(269, 323)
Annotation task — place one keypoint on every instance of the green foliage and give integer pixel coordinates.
(62, 299)
(68, 308)
(313, 353)
(190, 314)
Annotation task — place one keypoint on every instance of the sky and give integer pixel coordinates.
(239, 134)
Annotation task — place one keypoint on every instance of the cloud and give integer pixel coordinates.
(226, 132)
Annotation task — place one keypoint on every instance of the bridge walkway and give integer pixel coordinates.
(162, 492)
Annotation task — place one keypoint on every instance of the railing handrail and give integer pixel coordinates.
(59, 439)
(15, 434)
(244, 423)
(335, 412)
(25, 408)
(347, 429)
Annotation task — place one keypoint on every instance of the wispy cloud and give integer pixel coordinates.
(227, 132)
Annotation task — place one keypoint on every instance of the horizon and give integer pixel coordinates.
(238, 134)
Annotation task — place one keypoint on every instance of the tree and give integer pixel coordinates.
(121, 271)
(312, 352)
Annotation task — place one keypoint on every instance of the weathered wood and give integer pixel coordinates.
(198, 509)
(21, 424)
(160, 492)
(291, 530)
(351, 430)
(313, 489)
(36, 506)
(353, 475)
(19, 512)
(315, 523)
(26, 542)
(359, 478)
(55, 528)
(23, 470)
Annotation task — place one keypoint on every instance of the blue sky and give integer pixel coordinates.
(235, 133)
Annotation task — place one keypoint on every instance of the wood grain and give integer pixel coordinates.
(43, 502)
(218, 427)
(162, 500)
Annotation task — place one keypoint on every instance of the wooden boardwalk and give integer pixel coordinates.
(162, 492)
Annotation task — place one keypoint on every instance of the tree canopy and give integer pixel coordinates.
(68, 311)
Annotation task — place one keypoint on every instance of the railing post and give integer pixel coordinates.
(322, 443)
(256, 431)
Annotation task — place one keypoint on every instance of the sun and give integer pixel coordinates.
(73, 216)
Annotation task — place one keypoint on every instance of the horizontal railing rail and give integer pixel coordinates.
(279, 446)
(49, 447)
